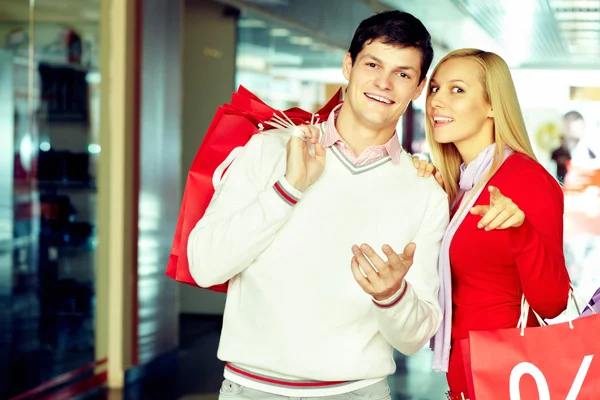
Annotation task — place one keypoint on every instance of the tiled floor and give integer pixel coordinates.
(46, 320)
(199, 372)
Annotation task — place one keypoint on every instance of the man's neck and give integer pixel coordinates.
(357, 135)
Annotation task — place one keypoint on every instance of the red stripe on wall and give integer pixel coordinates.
(137, 106)
(59, 380)
(78, 388)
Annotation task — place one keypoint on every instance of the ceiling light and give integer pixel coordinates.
(577, 15)
(320, 47)
(574, 3)
(252, 23)
(301, 40)
(279, 32)
(582, 34)
(583, 25)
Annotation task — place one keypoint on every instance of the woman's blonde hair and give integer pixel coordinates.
(509, 125)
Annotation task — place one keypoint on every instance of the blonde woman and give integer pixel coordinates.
(506, 233)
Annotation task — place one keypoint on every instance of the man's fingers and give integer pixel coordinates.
(311, 132)
(305, 130)
(359, 277)
(378, 264)
(403, 261)
(295, 150)
(315, 133)
(364, 264)
(480, 210)
(295, 143)
(409, 250)
(320, 153)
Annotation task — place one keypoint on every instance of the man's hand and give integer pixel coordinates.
(311, 132)
(303, 169)
(383, 278)
(501, 213)
(426, 169)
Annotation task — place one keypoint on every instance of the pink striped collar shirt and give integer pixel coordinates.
(332, 137)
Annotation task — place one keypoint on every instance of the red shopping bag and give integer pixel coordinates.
(231, 128)
(551, 362)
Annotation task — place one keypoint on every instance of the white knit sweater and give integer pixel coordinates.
(296, 322)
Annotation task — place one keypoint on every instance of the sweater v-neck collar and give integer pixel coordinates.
(354, 169)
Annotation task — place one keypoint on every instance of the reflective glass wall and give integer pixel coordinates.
(49, 143)
(286, 67)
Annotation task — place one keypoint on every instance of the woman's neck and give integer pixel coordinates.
(470, 148)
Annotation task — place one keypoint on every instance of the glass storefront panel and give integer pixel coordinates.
(286, 67)
(49, 141)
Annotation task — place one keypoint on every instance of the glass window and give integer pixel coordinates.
(284, 66)
(49, 140)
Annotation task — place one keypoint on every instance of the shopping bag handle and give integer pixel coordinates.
(220, 170)
(287, 125)
(283, 124)
(522, 324)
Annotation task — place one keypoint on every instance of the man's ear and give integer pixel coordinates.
(347, 66)
(419, 89)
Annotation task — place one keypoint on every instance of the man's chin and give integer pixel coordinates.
(379, 122)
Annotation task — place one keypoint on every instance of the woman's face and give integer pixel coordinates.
(456, 105)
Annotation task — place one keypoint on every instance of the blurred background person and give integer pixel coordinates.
(561, 156)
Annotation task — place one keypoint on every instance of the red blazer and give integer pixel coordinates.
(491, 270)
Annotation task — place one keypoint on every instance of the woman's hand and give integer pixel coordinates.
(501, 213)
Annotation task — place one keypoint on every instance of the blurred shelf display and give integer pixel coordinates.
(48, 230)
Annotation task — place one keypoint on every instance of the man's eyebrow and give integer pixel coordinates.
(401, 67)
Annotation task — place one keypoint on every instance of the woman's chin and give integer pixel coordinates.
(442, 139)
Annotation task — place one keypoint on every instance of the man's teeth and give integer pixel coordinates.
(381, 99)
(442, 119)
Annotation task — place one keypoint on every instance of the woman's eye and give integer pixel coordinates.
(457, 90)
(372, 65)
(434, 90)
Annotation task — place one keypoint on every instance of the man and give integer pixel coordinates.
(583, 143)
(582, 244)
(574, 127)
(314, 309)
(561, 156)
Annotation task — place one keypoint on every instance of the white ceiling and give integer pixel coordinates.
(556, 33)
(530, 33)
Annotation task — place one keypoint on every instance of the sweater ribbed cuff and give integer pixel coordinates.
(287, 192)
(395, 299)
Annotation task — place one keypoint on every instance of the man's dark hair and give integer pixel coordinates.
(573, 116)
(396, 28)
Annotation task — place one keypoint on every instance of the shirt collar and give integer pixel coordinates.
(331, 136)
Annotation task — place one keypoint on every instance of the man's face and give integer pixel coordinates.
(382, 82)
(574, 130)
